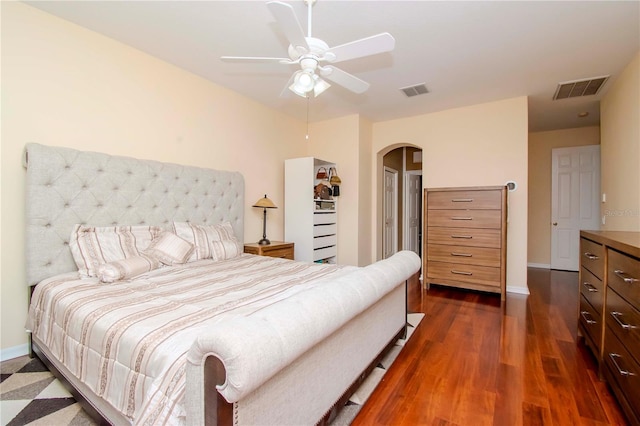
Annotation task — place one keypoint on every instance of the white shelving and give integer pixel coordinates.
(312, 224)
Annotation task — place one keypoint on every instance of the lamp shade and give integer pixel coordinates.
(265, 203)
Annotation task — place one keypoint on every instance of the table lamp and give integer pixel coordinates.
(265, 204)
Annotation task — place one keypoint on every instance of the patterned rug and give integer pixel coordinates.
(31, 395)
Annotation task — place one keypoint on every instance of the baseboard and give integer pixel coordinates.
(539, 265)
(517, 289)
(14, 352)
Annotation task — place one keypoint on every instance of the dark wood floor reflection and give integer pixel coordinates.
(473, 361)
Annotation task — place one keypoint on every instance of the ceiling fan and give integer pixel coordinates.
(315, 57)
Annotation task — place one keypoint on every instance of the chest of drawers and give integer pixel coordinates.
(466, 237)
(610, 294)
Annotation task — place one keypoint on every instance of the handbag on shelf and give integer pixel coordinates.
(321, 192)
(334, 179)
(322, 173)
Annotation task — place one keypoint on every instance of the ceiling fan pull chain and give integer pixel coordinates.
(307, 135)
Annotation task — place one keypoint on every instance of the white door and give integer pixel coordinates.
(412, 210)
(575, 201)
(390, 231)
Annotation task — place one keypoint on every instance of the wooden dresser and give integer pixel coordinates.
(609, 313)
(466, 237)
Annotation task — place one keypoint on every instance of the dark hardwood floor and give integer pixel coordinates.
(473, 361)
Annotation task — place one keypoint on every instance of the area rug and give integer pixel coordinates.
(31, 395)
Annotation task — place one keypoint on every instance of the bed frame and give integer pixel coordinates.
(314, 379)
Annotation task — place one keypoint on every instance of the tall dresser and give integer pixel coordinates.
(609, 311)
(466, 237)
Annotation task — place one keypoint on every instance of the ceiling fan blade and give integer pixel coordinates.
(255, 59)
(344, 79)
(289, 23)
(373, 45)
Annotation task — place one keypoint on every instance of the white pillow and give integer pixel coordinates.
(170, 249)
(203, 238)
(93, 246)
(126, 268)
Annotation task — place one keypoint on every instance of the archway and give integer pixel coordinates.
(399, 199)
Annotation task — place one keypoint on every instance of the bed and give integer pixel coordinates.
(219, 337)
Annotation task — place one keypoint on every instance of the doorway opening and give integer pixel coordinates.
(401, 218)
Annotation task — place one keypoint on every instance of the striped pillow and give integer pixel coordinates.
(94, 246)
(170, 249)
(126, 268)
(217, 242)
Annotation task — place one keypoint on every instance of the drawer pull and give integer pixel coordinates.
(462, 200)
(620, 370)
(461, 272)
(616, 316)
(587, 320)
(624, 276)
(590, 287)
(591, 256)
(461, 218)
(466, 237)
(462, 254)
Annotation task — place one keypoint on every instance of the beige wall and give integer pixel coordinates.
(365, 184)
(540, 146)
(478, 145)
(64, 85)
(338, 141)
(620, 150)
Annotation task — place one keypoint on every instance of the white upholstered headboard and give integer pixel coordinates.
(66, 187)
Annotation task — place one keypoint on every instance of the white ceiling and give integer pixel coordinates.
(465, 52)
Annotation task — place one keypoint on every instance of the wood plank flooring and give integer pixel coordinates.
(475, 361)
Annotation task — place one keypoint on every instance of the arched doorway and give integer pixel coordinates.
(400, 195)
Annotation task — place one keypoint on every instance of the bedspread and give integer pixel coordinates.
(128, 341)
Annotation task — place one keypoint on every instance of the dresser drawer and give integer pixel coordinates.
(464, 255)
(592, 257)
(324, 218)
(624, 321)
(490, 199)
(326, 241)
(624, 371)
(446, 272)
(592, 289)
(465, 218)
(327, 229)
(623, 276)
(468, 237)
(591, 323)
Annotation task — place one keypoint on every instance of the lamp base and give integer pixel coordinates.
(264, 242)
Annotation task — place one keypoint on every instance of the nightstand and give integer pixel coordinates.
(275, 249)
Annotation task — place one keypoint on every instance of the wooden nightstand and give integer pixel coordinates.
(275, 249)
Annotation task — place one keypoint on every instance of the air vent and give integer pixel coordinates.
(573, 89)
(418, 89)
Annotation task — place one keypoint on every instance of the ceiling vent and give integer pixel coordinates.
(573, 89)
(418, 89)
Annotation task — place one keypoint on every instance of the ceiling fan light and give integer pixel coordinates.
(319, 86)
(303, 83)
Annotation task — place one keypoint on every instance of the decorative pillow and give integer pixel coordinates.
(93, 246)
(225, 249)
(202, 237)
(170, 249)
(126, 268)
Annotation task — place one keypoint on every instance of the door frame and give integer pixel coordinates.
(395, 209)
(405, 210)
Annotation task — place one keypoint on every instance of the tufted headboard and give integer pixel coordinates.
(66, 187)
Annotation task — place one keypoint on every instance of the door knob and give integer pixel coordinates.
(555, 223)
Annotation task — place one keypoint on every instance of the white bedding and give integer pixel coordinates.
(128, 341)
